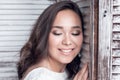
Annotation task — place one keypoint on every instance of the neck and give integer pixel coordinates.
(52, 65)
(55, 66)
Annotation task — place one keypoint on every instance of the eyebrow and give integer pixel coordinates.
(60, 27)
(77, 27)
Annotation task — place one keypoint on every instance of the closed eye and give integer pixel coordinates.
(76, 33)
(57, 33)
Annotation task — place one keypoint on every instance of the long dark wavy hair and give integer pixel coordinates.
(36, 47)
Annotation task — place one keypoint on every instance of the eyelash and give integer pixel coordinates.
(77, 33)
(55, 33)
(74, 34)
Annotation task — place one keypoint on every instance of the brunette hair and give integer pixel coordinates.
(36, 47)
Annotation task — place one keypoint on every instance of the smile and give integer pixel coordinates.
(66, 51)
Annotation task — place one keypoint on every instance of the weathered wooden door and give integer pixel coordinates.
(109, 40)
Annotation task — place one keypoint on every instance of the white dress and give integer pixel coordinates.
(42, 73)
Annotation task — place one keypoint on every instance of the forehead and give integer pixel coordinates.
(67, 13)
(67, 18)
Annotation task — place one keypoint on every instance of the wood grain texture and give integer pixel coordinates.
(86, 46)
(116, 40)
(94, 38)
(87, 8)
(109, 40)
(104, 52)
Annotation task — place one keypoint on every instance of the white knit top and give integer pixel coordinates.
(42, 73)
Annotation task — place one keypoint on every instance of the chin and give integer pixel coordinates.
(66, 61)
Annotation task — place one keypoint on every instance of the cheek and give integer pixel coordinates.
(53, 41)
(79, 41)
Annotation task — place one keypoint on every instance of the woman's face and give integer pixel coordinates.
(65, 38)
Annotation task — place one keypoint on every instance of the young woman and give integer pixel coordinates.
(52, 51)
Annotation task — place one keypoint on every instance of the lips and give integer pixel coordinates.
(66, 51)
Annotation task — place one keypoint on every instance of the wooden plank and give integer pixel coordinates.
(10, 48)
(87, 19)
(17, 17)
(22, 12)
(14, 33)
(116, 69)
(116, 36)
(35, 2)
(116, 61)
(116, 44)
(4, 64)
(22, 6)
(94, 38)
(16, 28)
(85, 47)
(85, 10)
(86, 32)
(116, 28)
(10, 78)
(104, 51)
(31, 22)
(13, 38)
(7, 75)
(84, 3)
(116, 53)
(9, 59)
(11, 43)
(116, 4)
(116, 77)
(17, 22)
(86, 39)
(116, 19)
(8, 69)
(116, 1)
(116, 8)
(9, 54)
(116, 12)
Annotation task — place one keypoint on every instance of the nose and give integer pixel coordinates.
(67, 40)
